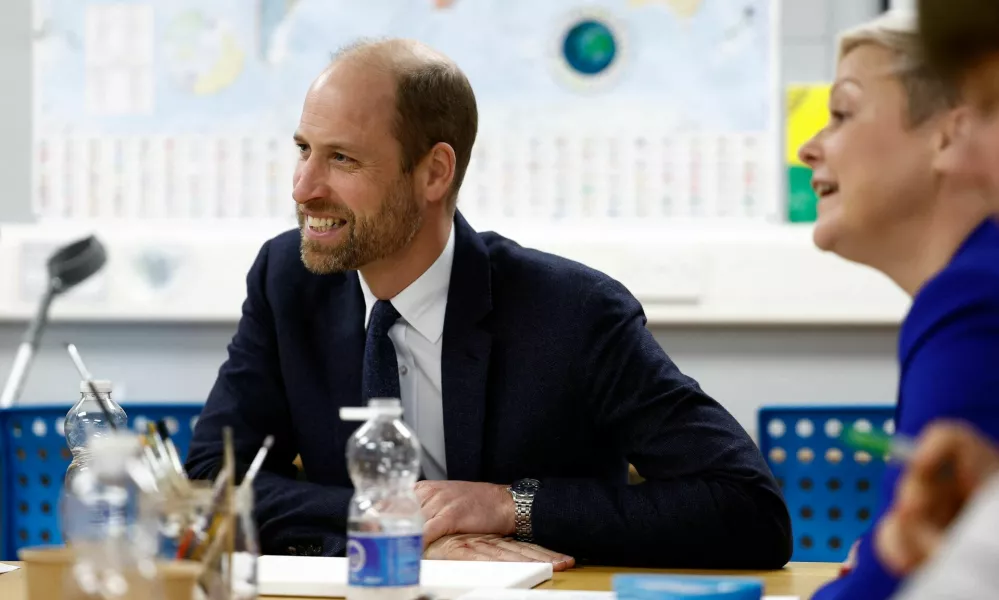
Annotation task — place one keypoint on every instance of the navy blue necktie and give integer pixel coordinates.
(380, 378)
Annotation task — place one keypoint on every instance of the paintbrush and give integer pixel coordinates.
(170, 448)
(218, 489)
(85, 375)
(177, 479)
(210, 522)
(230, 501)
(258, 462)
(210, 576)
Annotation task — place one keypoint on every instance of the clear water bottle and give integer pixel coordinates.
(385, 525)
(110, 521)
(86, 421)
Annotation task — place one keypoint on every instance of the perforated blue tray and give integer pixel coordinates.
(33, 462)
(831, 490)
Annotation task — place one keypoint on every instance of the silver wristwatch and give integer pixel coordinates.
(523, 492)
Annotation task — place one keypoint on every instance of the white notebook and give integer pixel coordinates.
(320, 577)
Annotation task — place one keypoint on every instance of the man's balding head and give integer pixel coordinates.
(384, 141)
(434, 100)
(393, 54)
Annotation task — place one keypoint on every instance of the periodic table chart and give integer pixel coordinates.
(607, 110)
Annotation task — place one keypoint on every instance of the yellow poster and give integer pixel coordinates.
(807, 113)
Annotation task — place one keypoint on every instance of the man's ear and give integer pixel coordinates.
(437, 172)
(952, 142)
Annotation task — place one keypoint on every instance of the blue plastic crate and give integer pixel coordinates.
(832, 491)
(33, 462)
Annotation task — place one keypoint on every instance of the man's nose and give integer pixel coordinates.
(309, 182)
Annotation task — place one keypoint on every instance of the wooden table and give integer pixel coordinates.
(797, 579)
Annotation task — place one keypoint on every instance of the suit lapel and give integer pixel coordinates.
(465, 354)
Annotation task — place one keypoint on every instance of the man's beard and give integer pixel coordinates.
(366, 239)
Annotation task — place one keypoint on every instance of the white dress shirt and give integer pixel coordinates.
(417, 338)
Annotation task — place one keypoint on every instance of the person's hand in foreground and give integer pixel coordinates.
(951, 462)
(493, 547)
(454, 507)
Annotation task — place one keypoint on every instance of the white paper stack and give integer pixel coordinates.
(319, 577)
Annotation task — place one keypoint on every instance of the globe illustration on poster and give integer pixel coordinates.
(589, 47)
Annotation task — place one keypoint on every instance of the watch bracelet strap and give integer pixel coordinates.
(522, 514)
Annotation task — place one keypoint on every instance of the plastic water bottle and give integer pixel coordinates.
(385, 525)
(86, 421)
(110, 520)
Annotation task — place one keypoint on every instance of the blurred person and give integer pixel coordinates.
(893, 197)
(514, 367)
(946, 513)
(961, 41)
(949, 522)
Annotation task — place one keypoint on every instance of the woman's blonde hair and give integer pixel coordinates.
(927, 92)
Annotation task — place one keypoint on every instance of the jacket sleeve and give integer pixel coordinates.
(708, 500)
(293, 517)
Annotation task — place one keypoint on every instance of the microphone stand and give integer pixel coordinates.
(26, 351)
(67, 267)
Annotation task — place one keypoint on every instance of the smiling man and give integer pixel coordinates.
(531, 381)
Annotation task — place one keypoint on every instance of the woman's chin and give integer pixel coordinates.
(825, 234)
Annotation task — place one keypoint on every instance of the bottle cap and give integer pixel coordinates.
(103, 386)
(377, 407)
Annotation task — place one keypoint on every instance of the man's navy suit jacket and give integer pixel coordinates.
(548, 372)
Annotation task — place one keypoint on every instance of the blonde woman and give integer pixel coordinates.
(894, 195)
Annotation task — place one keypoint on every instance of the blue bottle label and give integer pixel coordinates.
(378, 560)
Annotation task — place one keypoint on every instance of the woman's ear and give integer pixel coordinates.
(952, 146)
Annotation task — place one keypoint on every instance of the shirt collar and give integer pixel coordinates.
(424, 302)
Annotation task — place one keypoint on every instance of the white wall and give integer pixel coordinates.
(742, 367)
(15, 110)
(809, 31)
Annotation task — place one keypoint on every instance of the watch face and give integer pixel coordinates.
(526, 486)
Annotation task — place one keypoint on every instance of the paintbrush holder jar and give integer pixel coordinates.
(185, 520)
(231, 552)
(246, 547)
